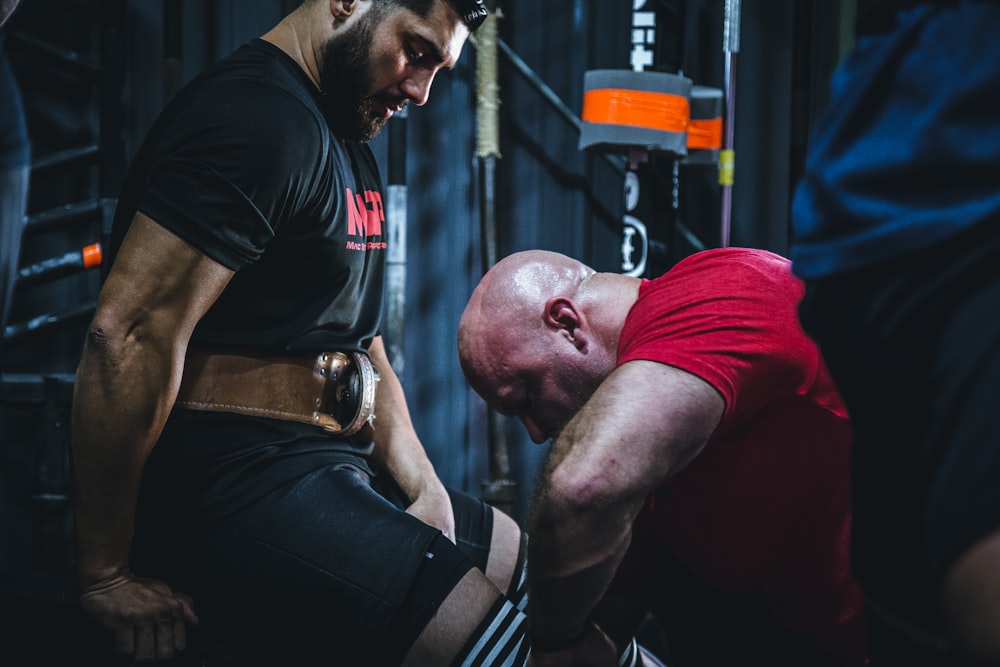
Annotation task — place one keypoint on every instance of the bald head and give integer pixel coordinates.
(527, 279)
(507, 305)
(538, 335)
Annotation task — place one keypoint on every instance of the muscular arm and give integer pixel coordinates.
(126, 383)
(643, 424)
(399, 450)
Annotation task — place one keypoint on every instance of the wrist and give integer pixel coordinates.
(91, 584)
(428, 485)
(98, 572)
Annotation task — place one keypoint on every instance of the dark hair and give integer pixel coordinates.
(473, 12)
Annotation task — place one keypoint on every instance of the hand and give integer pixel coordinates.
(148, 619)
(433, 507)
(595, 649)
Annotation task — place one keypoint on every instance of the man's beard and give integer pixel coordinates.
(345, 77)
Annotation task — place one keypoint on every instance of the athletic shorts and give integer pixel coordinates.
(327, 569)
(914, 347)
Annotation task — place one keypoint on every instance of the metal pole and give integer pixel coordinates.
(560, 107)
(396, 221)
(727, 156)
(499, 489)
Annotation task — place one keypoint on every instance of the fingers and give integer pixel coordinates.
(125, 641)
(180, 634)
(149, 620)
(145, 644)
(171, 637)
(187, 607)
(159, 640)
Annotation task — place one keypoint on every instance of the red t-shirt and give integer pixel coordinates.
(765, 508)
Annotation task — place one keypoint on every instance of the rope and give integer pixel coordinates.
(487, 89)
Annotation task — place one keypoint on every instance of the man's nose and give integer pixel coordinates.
(418, 87)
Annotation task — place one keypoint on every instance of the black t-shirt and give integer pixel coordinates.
(243, 166)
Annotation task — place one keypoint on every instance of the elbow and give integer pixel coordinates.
(106, 333)
(586, 513)
(112, 336)
(575, 493)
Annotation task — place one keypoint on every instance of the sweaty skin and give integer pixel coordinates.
(538, 340)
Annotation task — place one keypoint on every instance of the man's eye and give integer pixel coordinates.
(412, 55)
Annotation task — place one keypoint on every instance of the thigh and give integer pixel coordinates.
(323, 566)
(332, 565)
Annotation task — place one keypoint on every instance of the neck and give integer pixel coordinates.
(608, 297)
(291, 37)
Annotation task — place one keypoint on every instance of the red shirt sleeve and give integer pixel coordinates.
(730, 316)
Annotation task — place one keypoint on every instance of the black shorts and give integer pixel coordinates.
(914, 347)
(326, 569)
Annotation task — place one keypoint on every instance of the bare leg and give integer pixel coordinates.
(471, 601)
(458, 617)
(504, 546)
(971, 599)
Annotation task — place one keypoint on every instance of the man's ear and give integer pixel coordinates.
(561, 315)
(342, 9)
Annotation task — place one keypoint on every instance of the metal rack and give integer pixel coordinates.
(69, 56)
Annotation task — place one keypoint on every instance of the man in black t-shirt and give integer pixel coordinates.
(224, 454)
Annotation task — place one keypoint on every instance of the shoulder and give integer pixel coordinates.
(255, 90)
(723, 276)
(243, 126)
(724, 261)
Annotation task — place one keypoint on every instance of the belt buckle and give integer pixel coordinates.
(349, 393)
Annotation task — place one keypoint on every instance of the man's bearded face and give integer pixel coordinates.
(345, 77)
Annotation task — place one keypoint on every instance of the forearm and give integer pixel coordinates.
(597, 478)
(573, 554)
(122, 398)
(397, 446)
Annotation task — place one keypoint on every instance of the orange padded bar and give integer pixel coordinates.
(705, 134)
(637, 108)
(92, 255)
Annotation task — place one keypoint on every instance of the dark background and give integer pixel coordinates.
(94, 74)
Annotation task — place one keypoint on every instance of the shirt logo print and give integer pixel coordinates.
(365, 215)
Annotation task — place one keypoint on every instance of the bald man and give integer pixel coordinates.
(699, 445)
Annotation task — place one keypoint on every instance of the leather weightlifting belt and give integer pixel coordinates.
(333, 390)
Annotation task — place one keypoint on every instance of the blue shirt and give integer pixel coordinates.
(907, 153)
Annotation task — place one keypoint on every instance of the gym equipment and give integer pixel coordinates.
(640, 114)
(88, 257)
(730, 47)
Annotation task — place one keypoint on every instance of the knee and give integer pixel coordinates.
(970, 598)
